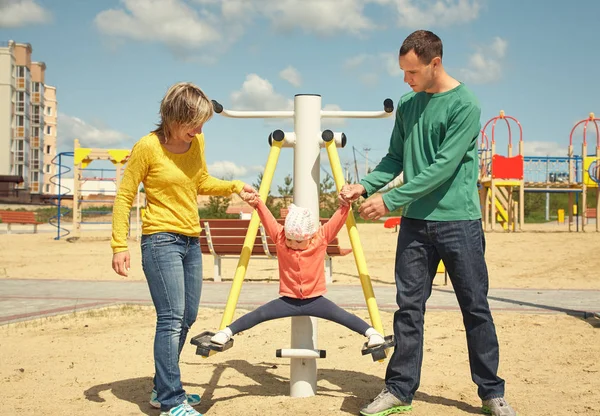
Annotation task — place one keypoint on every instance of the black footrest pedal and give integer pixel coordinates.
(378, 352)
(205, 346)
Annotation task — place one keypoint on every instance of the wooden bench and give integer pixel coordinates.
(19, 217)
(224, 238)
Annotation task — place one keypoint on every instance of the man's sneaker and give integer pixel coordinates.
(191, 399)
(385, 404)
(497, 407)
(183, 409)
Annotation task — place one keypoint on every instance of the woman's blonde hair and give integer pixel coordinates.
(184, 105)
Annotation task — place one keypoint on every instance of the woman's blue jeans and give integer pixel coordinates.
(172, 264)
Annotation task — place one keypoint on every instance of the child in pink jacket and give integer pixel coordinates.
(301, 249)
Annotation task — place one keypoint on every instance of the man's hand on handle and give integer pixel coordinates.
(372, 209)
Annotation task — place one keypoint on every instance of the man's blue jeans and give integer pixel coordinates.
(461, 246)
(173, 267)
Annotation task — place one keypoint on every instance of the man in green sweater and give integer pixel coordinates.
(434, 143)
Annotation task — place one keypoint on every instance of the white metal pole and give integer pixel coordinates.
(306, 141)
(307, 126)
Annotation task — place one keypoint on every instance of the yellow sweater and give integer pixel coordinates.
(171, 182)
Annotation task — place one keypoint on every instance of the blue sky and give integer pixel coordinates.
(112, 61)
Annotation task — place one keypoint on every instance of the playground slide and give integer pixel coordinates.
(501, 213)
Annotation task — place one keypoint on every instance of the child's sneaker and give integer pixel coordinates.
(222, 337)
(375, 338)
(191, 399)
(183, 409)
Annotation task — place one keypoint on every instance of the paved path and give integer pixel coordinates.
(23, 299)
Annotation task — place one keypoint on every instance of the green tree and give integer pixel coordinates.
(270, 202)
(327, 196)
(287, 190)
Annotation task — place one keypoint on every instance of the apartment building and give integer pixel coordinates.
(50, 113)
(24, 99)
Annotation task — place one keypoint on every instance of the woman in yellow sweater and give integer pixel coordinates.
(170, 162)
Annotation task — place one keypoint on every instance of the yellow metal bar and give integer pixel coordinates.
(240, 272)
(357, 250)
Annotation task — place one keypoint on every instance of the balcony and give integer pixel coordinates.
(36, 98)
(22, 84)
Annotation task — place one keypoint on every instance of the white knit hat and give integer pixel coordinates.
(300, 223)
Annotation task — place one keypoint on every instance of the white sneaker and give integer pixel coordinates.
(184, 409)
(222, 337)
(375, 338)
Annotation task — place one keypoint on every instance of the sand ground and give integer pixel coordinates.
(100, 362)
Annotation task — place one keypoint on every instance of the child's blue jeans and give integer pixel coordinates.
(283, 307)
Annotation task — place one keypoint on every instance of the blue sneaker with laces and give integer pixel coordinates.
(191, 399)
(183, 409)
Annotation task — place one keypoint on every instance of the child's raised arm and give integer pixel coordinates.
(332, 227)
(272, 227)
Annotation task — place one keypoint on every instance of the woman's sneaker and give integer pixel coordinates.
(191, 399)
(183, 409)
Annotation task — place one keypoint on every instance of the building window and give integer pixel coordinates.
(47, 168)
(48, 129)
(48, 149)
(49, 110)
(47, 188)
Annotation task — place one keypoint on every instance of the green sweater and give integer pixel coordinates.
(434, 142)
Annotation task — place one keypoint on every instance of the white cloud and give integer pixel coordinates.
(431, 13)
(291, 75)
(485, 65)
(369, 66)
(323, 17)
(369, 79)
(356, 61)
(70, 128)
(391, 63)
(228, 169)
(171, 22)
(193, 24)
(326, 122)
(258, 94)
(16, 13)
(539, 148)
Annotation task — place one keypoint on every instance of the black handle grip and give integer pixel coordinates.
(277, 135)
(327, 135)
(217, 107)
(388, 105)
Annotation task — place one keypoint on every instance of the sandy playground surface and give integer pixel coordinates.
(100, 362)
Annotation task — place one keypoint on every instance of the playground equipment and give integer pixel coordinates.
(61, 194)
(500, 178)
(81, 160)
(306, 140)
(591, 172)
